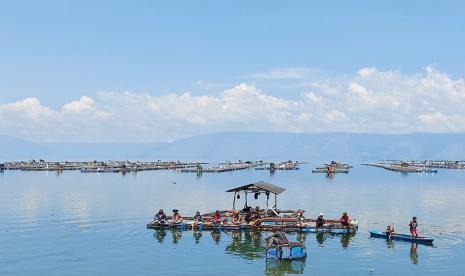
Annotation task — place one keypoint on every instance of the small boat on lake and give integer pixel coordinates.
(401, 237)
(290, 251)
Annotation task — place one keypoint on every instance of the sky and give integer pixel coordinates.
(150, 71)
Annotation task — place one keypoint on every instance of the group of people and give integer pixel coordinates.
(235, 218)
(413, 225)
(252, 216)
(321, 221)
(161, 217)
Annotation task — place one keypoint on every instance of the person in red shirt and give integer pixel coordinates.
(413, 227)
(217, 217)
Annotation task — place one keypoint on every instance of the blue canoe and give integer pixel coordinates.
(401, 237)
(286, 252)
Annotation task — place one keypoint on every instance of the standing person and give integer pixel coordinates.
(160, 217)
(320, 221)
(345, 220)
(413, 227)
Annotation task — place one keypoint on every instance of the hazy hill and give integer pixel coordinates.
(266, 146)
(17, 149)
(315, 147)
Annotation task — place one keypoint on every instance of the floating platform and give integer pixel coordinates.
(325, 170)
(265, 226)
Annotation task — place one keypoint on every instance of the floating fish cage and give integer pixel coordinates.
(269, 219)
(291, 251)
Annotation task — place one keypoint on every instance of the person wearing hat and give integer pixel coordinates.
(160, 217)
(320, 221)
(177, 218)
(413, 227)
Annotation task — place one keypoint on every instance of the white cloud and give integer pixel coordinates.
(369, 101)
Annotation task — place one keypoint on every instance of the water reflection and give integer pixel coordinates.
(390, 244)
(346, 239)
(301, 237)
(159, 235)
(414, 253)
(176, 234)
(216, 235)
(283, 267)
(197, 235)
(248, 245)
(330, 175)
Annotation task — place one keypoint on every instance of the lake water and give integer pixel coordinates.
(95, 224)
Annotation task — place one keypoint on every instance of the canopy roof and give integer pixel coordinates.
(259, 187)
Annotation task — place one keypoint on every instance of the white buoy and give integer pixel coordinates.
(371, 269)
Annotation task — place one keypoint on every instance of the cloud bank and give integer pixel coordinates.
(369, 101)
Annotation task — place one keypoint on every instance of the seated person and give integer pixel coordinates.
(300, 217)
(278, 238)
(176, 217)
(160, 217)
(249, 216)
(216, 217)
(345, 220)
(389, 231)
(236, 219)
(320, 221)
(252, 217)
(198, 217)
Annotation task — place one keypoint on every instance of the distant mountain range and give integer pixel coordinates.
(17, 149)
(251, 145)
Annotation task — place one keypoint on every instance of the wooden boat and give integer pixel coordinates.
(401, 237)
(289, 251)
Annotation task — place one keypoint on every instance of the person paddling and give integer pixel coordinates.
(413, 227)
(389, 231)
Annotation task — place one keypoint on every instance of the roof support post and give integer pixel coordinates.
(234, 201)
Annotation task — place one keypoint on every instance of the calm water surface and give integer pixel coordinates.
(73, 223)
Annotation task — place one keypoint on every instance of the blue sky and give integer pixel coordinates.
(59, 51)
